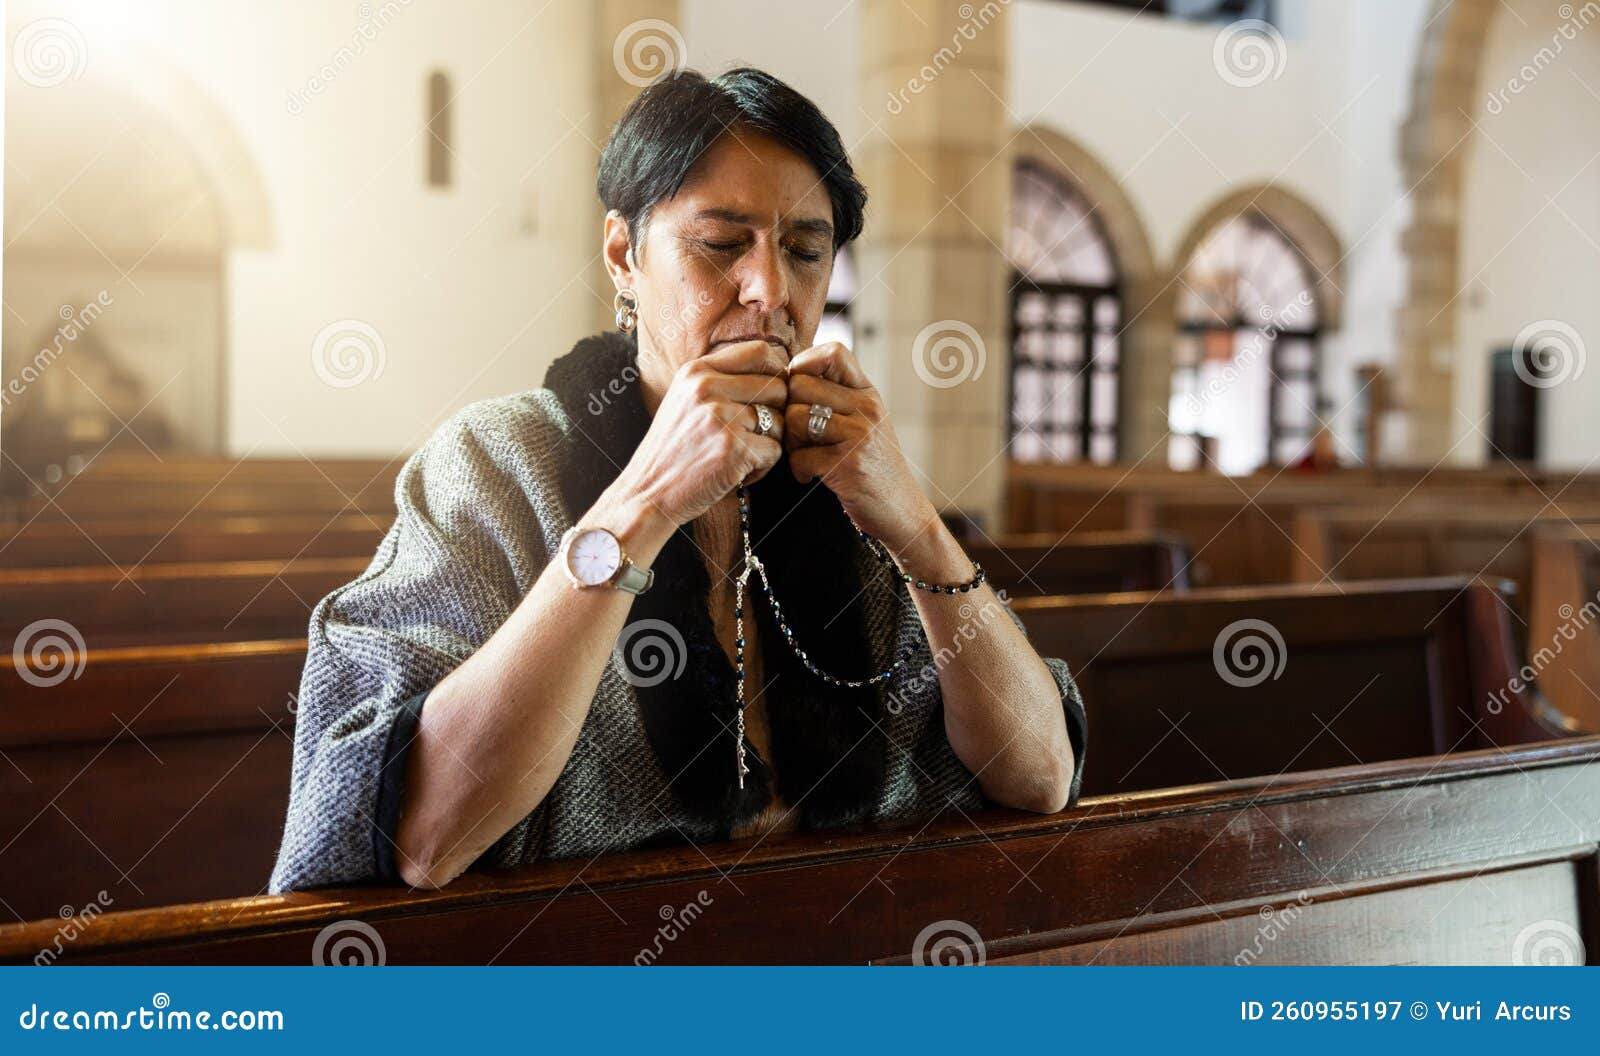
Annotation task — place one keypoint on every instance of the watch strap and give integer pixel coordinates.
(633, 579)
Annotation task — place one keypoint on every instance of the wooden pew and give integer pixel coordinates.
(1564, 618)
(139, 465)
(125, 543)
(169, 764)
(206, 500)
(1431, 651)
(1474, 858)
(1084, 563)
(193, 602)
(1232, 683)
(1240, 529)
(1369, 542)
(212, 487)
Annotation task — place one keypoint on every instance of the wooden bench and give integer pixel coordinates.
(1381, 543)
(1232, 683)
(1393, 670)
(1084, 563)
(1563, 648)
(182, 501)
(1240, 529)
(193, 602)
(125, 543)
(1475, 858)
(167, 764)
(185, 486)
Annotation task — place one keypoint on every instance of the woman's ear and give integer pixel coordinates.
(618, 252)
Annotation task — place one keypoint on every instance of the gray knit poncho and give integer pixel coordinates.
(481, 508)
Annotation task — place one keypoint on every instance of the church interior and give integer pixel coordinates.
(1242, 341)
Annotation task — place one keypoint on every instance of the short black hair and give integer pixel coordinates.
(666, 129)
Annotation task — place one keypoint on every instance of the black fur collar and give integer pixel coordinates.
(828, 743)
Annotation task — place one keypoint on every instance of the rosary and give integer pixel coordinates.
(752, 562)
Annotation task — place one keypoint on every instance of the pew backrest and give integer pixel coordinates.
(1454, 860)
(1232, 683)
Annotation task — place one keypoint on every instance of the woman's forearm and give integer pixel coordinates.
(1002, 708)
(497, 731)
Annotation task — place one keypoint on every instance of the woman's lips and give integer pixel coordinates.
(769, 339)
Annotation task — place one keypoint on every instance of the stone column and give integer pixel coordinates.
(634, 42)
(1433, 146)
(931, 315)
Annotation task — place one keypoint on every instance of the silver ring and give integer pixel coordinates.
(817, 421)
(764, 420)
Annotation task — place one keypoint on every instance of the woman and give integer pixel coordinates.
(545, 658)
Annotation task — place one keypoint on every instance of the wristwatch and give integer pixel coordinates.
(593, 557)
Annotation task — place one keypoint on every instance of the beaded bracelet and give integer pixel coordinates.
(881, 552)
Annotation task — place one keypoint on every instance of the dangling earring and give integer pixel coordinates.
(626, 305)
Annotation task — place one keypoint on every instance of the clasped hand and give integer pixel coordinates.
(702, 442)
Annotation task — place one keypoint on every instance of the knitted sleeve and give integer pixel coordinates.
(468, 541)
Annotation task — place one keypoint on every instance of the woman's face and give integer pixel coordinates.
(743, 250)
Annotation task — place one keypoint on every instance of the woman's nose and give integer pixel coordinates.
(763, 281)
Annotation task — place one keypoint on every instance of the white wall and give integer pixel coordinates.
(1530, 237)
(1144, 95)
(474, 289)
(813, 46)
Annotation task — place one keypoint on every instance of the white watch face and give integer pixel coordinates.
(594, 557)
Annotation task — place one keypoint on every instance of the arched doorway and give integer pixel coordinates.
(127, 188)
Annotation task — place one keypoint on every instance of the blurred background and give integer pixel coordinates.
(1283, 296)
(1176, 233)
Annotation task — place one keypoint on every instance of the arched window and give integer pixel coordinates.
(1245, 366)
(1066, 316)
(835, 324)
